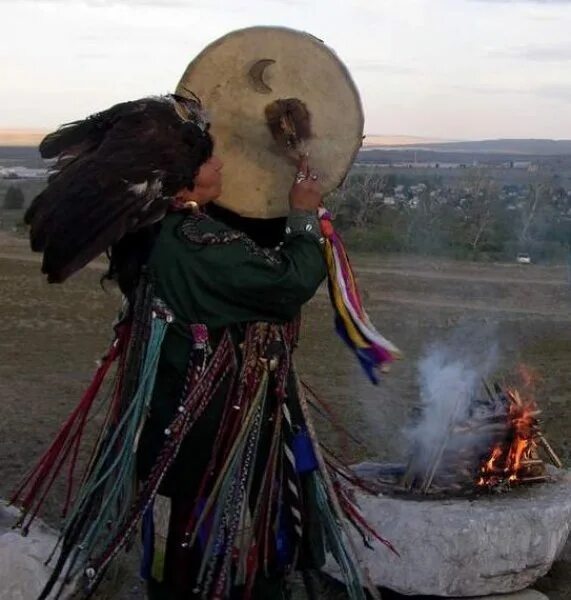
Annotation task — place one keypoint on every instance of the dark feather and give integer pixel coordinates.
(289, 122)
(115, 174)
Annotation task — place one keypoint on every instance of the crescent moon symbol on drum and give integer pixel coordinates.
(256, 74)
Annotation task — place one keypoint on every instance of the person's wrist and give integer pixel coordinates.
(300, 205)
(303, 221)
(308, 210)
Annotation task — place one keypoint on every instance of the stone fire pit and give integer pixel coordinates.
(466, 547)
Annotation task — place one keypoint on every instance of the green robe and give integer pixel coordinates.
(229, 279)
(207, 273)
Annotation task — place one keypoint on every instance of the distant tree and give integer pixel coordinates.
(478, 208)
(536, 203)
(359, 201)
(424, 231)
(14, 198)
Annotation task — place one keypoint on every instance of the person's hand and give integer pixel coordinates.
(305, 193)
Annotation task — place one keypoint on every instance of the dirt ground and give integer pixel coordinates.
(51, 336)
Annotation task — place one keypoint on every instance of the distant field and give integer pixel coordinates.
(21, 156)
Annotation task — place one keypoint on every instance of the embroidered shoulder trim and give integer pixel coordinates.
(192, 232)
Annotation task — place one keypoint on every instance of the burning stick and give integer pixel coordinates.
(514, 396)
(491, 394)
(552, 455)
(438, 458)
(409, 476)
(536, 479)
(531, 462)
(480, 427)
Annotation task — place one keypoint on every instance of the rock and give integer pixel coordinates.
(524, 595)
(461, 548)
(22, 570)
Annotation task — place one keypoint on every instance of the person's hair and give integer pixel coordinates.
(129, 255)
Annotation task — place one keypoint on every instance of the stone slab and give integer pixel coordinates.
(523, 595)
(22, 570)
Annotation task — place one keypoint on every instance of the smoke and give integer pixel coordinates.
(451, 375)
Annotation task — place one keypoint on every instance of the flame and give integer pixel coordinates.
(496, 453)
(528, 375)
(506, 461)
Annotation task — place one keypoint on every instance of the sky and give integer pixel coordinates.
(446, 69)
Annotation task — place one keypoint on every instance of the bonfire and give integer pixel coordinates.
(496, 446)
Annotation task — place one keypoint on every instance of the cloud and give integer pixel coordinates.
(152, 3)
(543, 2)
(560, 53)
(554, 92)
(93, 55)
(157, 4)
(375, 66)
(561, 92)
(107, 3)
(488, 90)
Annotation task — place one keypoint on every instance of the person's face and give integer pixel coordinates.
(208, 181)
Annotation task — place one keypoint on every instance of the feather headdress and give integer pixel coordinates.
(114, 174)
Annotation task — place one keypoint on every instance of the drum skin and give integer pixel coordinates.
(237, 77)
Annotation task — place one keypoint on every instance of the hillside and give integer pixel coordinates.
(20, 156)
(383, 149)
(527, 147)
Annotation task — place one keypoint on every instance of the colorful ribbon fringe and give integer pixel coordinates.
(351, 320)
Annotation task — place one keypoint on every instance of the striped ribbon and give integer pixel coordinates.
(292, 481)
(351, 320)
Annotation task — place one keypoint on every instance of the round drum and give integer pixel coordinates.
(237, 77)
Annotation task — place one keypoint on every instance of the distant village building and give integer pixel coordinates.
(22, 173)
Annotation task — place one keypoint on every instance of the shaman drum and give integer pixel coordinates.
(242, 74)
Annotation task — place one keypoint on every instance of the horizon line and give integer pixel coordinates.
(32, 136)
